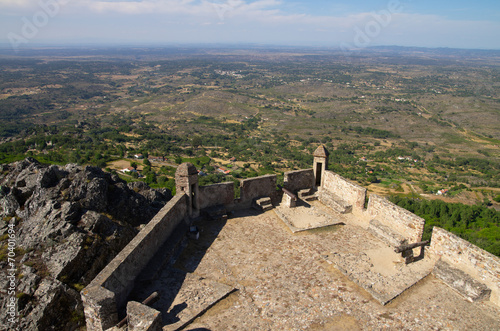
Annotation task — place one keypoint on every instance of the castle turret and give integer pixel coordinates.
(320, 165)
(186, 181)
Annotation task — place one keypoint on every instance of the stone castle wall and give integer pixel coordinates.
(407, 224)
(472, 260)
(351, 193)
(217, 194)
(295, 181)
(258, 187)
(110, 288)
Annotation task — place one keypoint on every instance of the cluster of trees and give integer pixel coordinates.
(477, 224)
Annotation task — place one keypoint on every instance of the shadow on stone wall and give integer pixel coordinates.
(170, 279)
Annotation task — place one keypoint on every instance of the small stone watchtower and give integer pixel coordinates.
(320, 165)
(186, 181)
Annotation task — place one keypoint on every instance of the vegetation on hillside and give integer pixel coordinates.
(418, 123)
(477, 224)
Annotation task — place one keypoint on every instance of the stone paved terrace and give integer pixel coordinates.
(308, 215)
(288, 281)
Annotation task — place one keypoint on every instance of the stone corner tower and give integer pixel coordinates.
(186, 181)
(320, 165)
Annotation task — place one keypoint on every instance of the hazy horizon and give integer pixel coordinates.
(319, 23)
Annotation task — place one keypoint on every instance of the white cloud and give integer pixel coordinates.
(18, 3)
(191, 7)
(17, 6)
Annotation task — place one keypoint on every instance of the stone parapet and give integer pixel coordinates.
(461, 254)
(295, 181)
(217, 194)
(117, 278)
(386, 234)
(351, 193)
(467, 268)
(258, 187)
(461, 282)
(335, 202)
(400, 220)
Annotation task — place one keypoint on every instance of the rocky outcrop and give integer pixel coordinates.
(70, 221)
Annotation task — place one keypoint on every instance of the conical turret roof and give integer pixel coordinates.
(321, 152)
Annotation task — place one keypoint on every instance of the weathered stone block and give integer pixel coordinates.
(289, 201)
(143, 318)
(386, 234)
(99, 308)
(464, 284)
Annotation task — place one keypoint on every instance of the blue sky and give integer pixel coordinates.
(338, 23)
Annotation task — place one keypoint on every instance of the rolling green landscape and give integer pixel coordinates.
(420, 125)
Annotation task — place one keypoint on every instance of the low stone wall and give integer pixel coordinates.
(335, 202)
(350, 193)
(109, 290)
(472, 260)
(407, 224)
(295, 181)
(253, 188)
(217, 194)
(386, 234)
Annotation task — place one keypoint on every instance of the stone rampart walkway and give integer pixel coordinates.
(288, 281)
